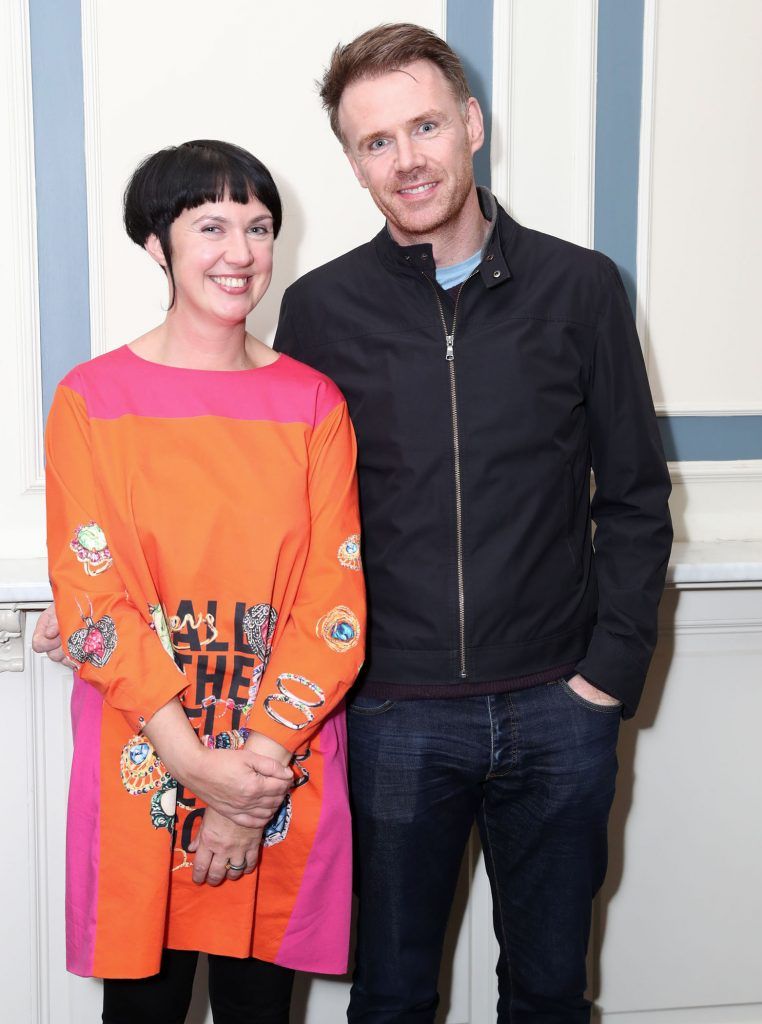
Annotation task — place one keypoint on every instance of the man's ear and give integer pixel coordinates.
(474, 123)
(155, 251)
(356, 167)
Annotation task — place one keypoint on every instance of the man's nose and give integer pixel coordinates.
(409, 155)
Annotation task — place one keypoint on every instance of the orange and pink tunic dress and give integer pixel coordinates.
(203, 542)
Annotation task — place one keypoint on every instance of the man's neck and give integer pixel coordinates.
(454, 241)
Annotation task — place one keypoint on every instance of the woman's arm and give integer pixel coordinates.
(319, 649)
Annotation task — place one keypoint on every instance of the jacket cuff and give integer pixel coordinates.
(613, 666)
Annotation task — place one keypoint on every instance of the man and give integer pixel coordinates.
(487, 368)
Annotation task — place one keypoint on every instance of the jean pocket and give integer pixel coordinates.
(604, 709)
(369, 705)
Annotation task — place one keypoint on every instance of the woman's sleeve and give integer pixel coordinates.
(117, 638)
(317, 655)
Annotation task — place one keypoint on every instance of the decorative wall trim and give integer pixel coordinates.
(503, 85)
(25, 318)
(679, 409)
(36, 858)
(91, 91)
(716, 627)
(645, 174)
(749, 472)
(586, 43)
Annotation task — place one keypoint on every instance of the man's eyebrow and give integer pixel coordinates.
(427, 115)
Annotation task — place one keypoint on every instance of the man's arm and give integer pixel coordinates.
(630, 507)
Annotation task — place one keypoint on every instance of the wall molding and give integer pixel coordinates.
(503, 87)
(586, 59)
(715, 627)
(25, 322)
(682, 409)
(645, 176)
(743, 471)
(94, 175)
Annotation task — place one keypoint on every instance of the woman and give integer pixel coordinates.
(203, 540)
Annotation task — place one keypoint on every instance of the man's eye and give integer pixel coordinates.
(378, 144)
(427, 127)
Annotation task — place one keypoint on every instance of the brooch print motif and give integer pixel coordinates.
(258, 627)
(349, 553)
(340, 629)
(91, 548)
(95, 642)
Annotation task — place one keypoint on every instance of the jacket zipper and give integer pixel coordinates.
(450, 357)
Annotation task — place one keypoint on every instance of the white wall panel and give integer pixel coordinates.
(543, 128)
(683, 899)
(21, 503)
(705, 260)
(165, 73)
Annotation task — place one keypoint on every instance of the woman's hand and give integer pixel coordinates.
(220, 843)
(46, 638)
(246, 787)
(243, 785)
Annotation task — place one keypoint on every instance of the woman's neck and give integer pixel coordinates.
(178, 342)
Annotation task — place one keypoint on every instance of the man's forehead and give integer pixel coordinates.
(411, 90)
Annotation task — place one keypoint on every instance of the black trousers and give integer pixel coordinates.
(240, 992)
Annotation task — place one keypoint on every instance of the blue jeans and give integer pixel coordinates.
(535, 770)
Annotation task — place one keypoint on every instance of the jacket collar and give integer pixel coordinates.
(417, 259)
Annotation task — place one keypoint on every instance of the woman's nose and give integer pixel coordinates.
(239, 250)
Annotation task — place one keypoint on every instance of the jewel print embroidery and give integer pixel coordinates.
(258, 627)
(160, 625)
(277, 829)
(349, 553)
(95, 642)
(91, 548)
(300, 704)
(340, 629)
(142, 772)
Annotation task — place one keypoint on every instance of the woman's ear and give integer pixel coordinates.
(154, 249)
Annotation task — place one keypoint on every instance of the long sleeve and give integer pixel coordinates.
(111, 625)
(633, 528)
(318, 651)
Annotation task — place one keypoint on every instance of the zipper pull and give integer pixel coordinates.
(450, 338)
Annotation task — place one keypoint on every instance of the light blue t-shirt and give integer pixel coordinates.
(451, 277)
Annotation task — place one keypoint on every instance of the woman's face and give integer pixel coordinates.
(222, 257)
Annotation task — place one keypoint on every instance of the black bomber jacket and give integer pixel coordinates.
(476, 442)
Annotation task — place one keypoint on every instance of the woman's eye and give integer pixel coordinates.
(210, 229)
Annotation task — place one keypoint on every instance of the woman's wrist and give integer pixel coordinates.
(258, 743)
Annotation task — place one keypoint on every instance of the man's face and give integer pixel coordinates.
(410, 143)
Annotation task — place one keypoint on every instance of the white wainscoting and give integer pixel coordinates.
(676, 930)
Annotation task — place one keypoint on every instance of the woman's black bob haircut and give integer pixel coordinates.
(183, 177)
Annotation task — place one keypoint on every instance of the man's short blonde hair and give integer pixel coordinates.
(387, 48)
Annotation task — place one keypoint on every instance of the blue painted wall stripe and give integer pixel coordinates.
(59, 141)
(617, 133)
(469, 33)
(711, 438)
